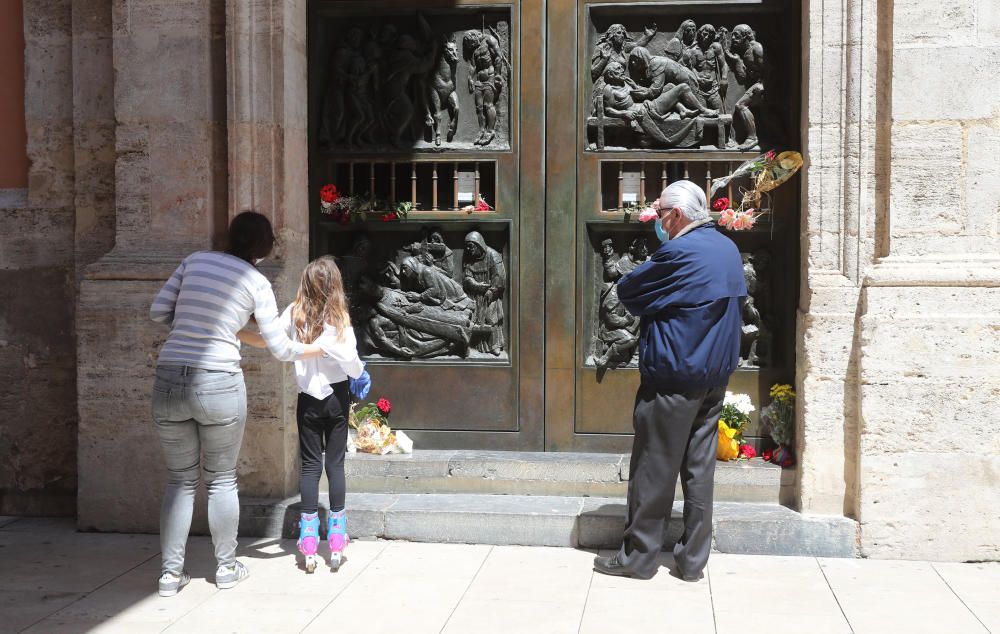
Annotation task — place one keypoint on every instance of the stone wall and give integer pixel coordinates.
(37, 283)
(228, 135)
(898, 352)
(930, 336)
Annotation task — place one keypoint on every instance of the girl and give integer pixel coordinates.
(199, 397)
(319, 314)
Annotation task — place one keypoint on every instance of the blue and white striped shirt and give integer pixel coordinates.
(207, 300)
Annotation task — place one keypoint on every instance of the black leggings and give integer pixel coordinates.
(323, 425)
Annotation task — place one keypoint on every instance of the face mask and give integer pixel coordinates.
(660, 233)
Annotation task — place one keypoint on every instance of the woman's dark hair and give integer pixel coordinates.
(250, 236)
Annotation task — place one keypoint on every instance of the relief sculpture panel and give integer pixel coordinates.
(694, 88)
(415, 82)
(440, 296)
(614, 331)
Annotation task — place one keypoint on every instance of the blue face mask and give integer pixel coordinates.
(660, 233)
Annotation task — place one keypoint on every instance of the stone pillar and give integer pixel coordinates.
(171, 195)
(268, 172)
(839, 203)
(929, 471)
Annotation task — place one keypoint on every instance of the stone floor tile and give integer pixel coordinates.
(621, 604)
(228, 611)
(42, 524)
(648, 611)
(795, 586)
(66, 561)
(277, 567)
(7, 519)
(503, 615)
(550, 575)
(383, 601)
(897, 596)
(21, 609)
(404, 558)
(978, 586)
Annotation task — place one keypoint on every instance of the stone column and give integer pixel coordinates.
(839, 204)
(268, 172)
(171, 195)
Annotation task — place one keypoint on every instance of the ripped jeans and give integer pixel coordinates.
(200, 416)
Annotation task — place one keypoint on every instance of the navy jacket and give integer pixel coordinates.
(688, 297)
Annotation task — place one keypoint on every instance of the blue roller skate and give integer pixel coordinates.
(309, 540)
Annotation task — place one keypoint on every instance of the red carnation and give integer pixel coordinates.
(389, 217)
(328, 193)
(766, 455)
(384, 406)
(720, 204)
(771, 156)
(482, 205)
(747, 451)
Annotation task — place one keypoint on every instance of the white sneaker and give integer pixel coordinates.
(170, 584)
(228, 576)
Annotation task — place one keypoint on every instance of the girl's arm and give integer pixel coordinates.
(344, 352)
(251, 339)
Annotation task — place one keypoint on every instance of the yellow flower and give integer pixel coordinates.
(782, 392)
(729, 447)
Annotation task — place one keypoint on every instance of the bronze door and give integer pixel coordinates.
(437, 104)
(611, 144)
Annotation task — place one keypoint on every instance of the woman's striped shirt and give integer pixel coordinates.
(207, 300)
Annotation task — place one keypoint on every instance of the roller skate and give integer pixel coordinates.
(337, 538)
(309, 540)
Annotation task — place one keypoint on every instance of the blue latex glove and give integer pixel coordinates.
(359, 387)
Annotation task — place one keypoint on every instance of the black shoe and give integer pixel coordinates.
(611, 566)
(676, 572)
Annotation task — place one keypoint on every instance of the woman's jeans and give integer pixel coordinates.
(199, 412)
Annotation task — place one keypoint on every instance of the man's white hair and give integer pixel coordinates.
(687, 197)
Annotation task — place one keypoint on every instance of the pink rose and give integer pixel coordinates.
(727, 218)
(648, 214)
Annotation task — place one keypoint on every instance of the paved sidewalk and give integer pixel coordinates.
(53, 580)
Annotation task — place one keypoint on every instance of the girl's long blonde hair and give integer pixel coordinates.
(320, 300)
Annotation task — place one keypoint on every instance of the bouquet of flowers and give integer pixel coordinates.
(779, 418)
(736, 409)
(372, 433)
(766, 172)
(344, 209)
(480, 205)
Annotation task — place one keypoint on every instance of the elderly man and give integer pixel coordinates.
(688, 297)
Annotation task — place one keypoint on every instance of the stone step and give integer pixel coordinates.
(576, 522)
(539, 473)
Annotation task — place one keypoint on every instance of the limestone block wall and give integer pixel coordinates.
(929, 468)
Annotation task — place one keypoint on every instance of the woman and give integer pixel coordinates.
(199, 398)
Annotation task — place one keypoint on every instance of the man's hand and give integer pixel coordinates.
(360, 386)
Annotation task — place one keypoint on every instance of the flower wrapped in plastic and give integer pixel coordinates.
(729, 442)
(371, 431)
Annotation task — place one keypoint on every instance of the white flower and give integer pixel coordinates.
(741, 402)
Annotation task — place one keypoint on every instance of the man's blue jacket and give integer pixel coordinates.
(689, 297)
